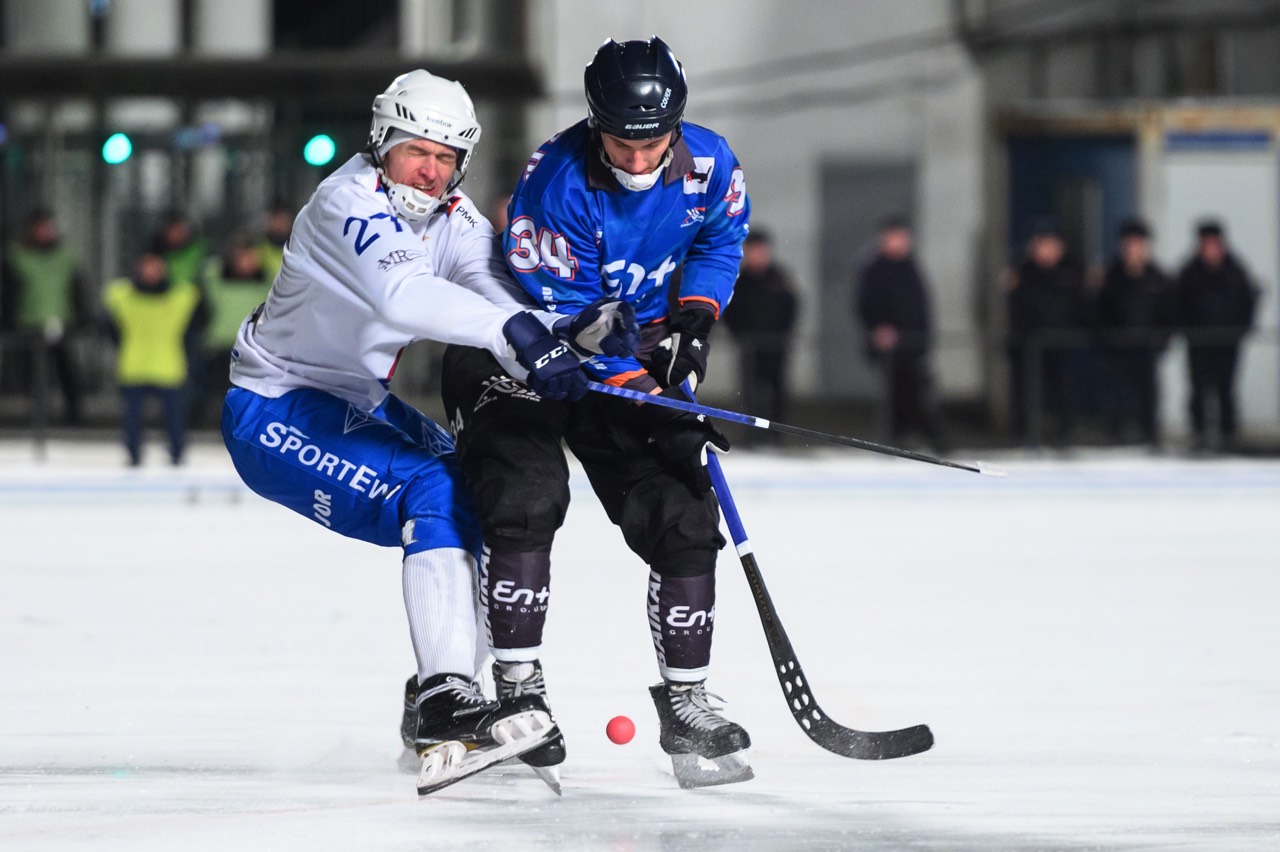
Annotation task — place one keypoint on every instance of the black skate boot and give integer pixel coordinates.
(409, 720)
(459, 732)
(523, 683)
(691, 728)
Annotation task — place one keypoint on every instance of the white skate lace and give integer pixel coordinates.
(692, 706)
(531, 685)
(467, 691)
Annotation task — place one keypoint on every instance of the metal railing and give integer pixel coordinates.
(27, 395)
(1035, 349)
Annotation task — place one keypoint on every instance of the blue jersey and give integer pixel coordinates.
(576, 234)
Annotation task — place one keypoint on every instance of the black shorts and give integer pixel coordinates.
(510, 447)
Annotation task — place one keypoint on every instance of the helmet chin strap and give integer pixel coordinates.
(637, 183)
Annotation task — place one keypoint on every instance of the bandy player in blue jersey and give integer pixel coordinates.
(622, 204)
(387, 252)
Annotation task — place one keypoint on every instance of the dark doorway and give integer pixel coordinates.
(856, 197)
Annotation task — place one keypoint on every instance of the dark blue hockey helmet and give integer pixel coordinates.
(635, 89)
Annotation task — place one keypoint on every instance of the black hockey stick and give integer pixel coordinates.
(800, 431)
(821, 728)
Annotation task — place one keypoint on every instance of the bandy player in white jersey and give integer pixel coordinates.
(388, 252)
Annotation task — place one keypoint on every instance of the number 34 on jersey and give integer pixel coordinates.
(540, 248)
(543, 248)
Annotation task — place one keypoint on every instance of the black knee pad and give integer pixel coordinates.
(674, 532)
(520, 510)
(688, 563)
(509, 447)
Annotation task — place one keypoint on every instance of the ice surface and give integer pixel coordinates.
(1096, 644)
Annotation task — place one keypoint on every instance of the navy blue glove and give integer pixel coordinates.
(554, 371)
(682, 440)
(683, 354)
(604, 327)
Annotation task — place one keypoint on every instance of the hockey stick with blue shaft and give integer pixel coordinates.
(799, 431)
(821, 728)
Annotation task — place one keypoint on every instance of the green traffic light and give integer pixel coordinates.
(117, 148)
(319, 150)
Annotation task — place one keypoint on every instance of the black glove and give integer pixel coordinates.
(682, 440)
(684, 352)
(554, 371)
(604, 327)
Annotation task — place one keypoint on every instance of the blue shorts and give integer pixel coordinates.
(389, 476)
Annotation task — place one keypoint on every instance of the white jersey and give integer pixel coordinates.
(358, 285)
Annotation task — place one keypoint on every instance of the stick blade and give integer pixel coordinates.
(988, 469)
(869, 745)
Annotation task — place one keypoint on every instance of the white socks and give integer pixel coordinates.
(439, 597)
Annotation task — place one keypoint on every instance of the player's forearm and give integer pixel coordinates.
(430, 308)
(708, 280)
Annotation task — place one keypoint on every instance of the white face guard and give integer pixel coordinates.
(637, 183)
(410, 203)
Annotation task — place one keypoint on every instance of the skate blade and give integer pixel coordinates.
(440, 764)
(550, 776)
(691, 770)
(449, 762)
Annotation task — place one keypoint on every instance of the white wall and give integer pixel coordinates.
(233, 27)
(45, 27)
(922, 106)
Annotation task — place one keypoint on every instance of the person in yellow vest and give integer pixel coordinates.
(42, 300)
(151, 318)
(274, 236)
(233, 286)
(184, 254)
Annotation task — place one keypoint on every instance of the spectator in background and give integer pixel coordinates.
(279, 226)
(183, 252)
(151, 317)
(498, 212)
(760, 317)
(42, 300)
(1134, 316)
(1215, 310)
(234, 286)
(184, 256)
(893, 306)
(1046, 305)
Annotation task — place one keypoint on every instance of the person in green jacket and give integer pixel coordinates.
(151, 317)
(233, 286)
(183, 252)
(41, 301)
(274, 237)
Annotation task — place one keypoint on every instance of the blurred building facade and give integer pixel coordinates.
(969, 117)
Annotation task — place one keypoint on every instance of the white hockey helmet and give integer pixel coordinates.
(430, 107)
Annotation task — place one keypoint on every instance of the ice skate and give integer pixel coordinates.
(459, 732)
(695, 734)
(524, 683)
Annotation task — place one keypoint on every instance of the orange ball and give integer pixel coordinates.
(620, 730)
